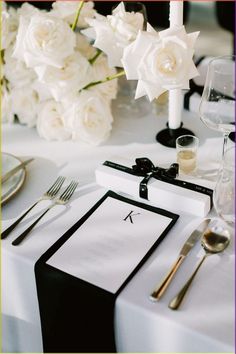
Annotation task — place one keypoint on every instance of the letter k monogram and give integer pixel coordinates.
(129, 216)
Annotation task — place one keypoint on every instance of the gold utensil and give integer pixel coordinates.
(213, 241)
(15, 170)
(188, 245)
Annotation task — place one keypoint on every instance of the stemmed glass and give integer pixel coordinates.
(217, 107)
(224, 192)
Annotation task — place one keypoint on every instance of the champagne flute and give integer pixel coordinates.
(217, 107)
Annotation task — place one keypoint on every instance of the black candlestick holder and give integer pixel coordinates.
(232, 137)
(168, 136)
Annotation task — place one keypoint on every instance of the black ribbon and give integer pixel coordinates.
(145, 168)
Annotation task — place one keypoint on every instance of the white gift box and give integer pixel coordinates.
(162, 194)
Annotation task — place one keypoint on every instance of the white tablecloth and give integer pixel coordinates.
(205, 321)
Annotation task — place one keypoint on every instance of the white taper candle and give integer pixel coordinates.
(175, 96)
(175, 108)
(176, 13)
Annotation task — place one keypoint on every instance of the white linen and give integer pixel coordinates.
(205, 320)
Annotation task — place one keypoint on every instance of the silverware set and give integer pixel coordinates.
(213, 240)
(50, 194)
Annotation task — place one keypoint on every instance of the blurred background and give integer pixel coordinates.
(214, 19)
(216, 23)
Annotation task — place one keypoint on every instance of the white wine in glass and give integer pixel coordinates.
(217, 107)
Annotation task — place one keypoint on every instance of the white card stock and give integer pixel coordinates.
(112, 241)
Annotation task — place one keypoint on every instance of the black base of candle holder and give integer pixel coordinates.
(232, 137)
(167, 137)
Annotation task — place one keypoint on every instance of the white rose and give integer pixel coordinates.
(9, 27)
(15, 71)
(14, 21)
(114, 32)
(101, 70)
(73, 76)
(5, 29)
(44, 39)
(161, 61)
(89, 118)
(84, 47)
(42, 91)
(125, 24)
(50, 123)
(27, 10)
(25, 105)
(4, 6)
(7, 114)
(67, 11)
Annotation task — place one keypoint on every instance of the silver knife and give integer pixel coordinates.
(188, 245)
(15, 170)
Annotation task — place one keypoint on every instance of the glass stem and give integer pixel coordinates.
(226, 135)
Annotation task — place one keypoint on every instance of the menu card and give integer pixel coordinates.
(112, 240)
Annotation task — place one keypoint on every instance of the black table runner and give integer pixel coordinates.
(77, 316)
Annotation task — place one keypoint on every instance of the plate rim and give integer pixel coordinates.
(19, 184)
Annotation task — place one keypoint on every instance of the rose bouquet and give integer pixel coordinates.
(60, 67)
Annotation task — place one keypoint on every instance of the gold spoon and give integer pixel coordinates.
(214, 240)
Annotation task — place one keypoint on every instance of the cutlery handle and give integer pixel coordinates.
(6, 232)
(15, 170)
(22, 236)
(159, 291)
(176, 301)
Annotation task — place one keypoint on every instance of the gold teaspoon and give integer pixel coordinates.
(214, 240)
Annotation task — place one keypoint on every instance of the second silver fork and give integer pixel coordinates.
(49, 194)
(62, 200)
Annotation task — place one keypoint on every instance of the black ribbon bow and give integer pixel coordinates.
(144, 167)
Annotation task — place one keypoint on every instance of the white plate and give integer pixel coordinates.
(14, 183)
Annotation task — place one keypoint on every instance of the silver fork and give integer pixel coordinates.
(63, 199)
(50, 194)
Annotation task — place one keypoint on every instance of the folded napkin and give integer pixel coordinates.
(80, 276)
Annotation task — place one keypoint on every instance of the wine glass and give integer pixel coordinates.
(217, 107)
(224, 192)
